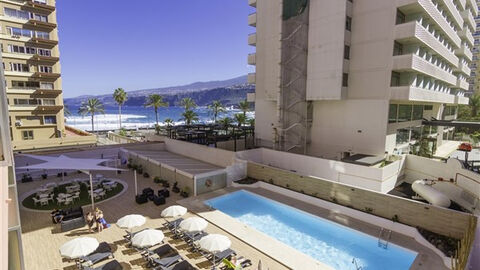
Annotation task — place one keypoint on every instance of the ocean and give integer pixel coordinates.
(134, 117)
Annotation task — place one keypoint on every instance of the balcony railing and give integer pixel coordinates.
(251, 78)
(46, 75)
(43, 41)
(251, 59)
(38, 5)
(412, 93)
(43, 58)
(252, 3)
(41, 24)
(252, 19)
(413, 62)
(252, 39)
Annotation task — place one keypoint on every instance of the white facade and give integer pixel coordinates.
(374, 69)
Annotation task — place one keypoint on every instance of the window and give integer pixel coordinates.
(450, 110)
(27, 134)
(25, 84)
(395, 79)
(19, 32)
(20, 14)
(348, 23)
(417, 112)
(21, 49)
(403, 136)
(24, 101)
(41, 18)
(400, 17)
(397, 48)
(428, 107)
(43, 35)
(416, 133)
(345, 79)
(19, 67)
(346, 52)
(51, 119)
(45, 69)
(404, 113)
(48, 102)
(392, 113)
(44, 52)
(48, 86)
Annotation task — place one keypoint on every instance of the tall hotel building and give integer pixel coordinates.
(29, 43)
(341, 77)
(474, 78)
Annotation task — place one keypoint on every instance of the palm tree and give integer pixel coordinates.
(474, 103)
(244, 107)
(91, 106)
(66, 111)
(240, 119)
(189, 117)
(226, 123)
(188, 103)
(251, 122)
(216, 107)
(168, 122)
(120, 96)
(155, 101)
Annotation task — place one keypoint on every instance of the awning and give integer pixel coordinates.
(63, 162)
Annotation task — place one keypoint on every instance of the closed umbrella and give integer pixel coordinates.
(78, 247)
(193, 224)
(131, 221)
(214, 243)
(147, 238)
(174, 211)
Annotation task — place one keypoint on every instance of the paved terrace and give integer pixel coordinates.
(42, 239)
(183, 163)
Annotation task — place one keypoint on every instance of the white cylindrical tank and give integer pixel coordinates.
(430, 194)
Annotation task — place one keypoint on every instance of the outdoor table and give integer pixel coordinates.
(64, 195)
(43, 195)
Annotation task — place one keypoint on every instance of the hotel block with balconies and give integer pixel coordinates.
(29, 44)
(339, 77)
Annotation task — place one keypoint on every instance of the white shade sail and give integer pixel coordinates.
(78, 247)
(131, 221)
(193, 224)
(147, 238)
(215, 243)
(174, 211)
(63, 162)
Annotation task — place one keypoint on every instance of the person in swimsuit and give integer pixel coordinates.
(90, 221)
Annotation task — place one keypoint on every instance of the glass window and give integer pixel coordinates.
(395, 79)
(48, 102)
(397, 48)
(43, 35)
(416, 133)
(345, 79)
(348, 23)
(39, 17)
(404, 113)
(25, 84)
(346, 52)
(45, 69)
(27, 134)
(19, 67)
(20, 14)
(400, 17)
(392, 113)
(51, 119)
(417, 112)
(48, 86)
(428, 107)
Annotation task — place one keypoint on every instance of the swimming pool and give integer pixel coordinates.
(323, 240)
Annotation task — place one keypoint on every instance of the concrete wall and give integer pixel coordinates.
(216, 179)
(120, 139)
(378, 179)
(440, 220)
(240, 144)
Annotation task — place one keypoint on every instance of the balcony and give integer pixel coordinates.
(40, 6)
(412, 62)
(34, 91)
(411, 93)
(463, 68)
(464, 51)
(43, 41)
(251, 78)
(252, 39)
(462, 84)
(473, 4)
(45, 59)
(47, 92)
(44, 75)
(252, 3)
(461, 100)
(251, 59)
(465, 34)
(426, 6)
(41, 24)
(412, 32)
(48, 108)
(458, 19)
(250, 97)
(468, 17)
(252, 19)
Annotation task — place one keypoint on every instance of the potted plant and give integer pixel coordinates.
(157, 180)
(166, 184)
(146, 175)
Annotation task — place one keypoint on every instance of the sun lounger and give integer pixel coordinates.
(192, 237)
(183, 265)
(173, 224)
(162, 251)
(222, 255)
(165, 262)
(113, 265)
(130, 235)
(103, 252)
(241, 263)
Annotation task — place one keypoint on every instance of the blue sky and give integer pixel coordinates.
(105, 44)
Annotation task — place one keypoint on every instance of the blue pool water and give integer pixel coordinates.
(323, 240)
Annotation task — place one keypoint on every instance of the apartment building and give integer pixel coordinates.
(340, 77)
(474, 80)
(11, 255)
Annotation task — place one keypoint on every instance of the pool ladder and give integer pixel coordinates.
(384, 237)
(354, 261)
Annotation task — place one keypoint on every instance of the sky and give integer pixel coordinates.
(106, 44)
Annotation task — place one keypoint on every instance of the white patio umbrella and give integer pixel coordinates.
(214, 243)
(131, 221)
(174, 211)
(193, 224)
(78, 247)
(147, 238)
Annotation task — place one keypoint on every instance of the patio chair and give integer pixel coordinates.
(219, 256)
(76, 196)
(50, 198)
(183, 265)
(113, 265)
(103, 252)
(35, 201)
(191, 237)
(60, 200)
(241, 261)
(165, 262)
(44, 201)
(173, 224)
(129, 235)
(162, 251)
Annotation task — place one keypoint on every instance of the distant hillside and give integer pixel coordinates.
(230, 92)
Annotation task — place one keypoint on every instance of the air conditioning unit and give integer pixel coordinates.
(18, 123)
